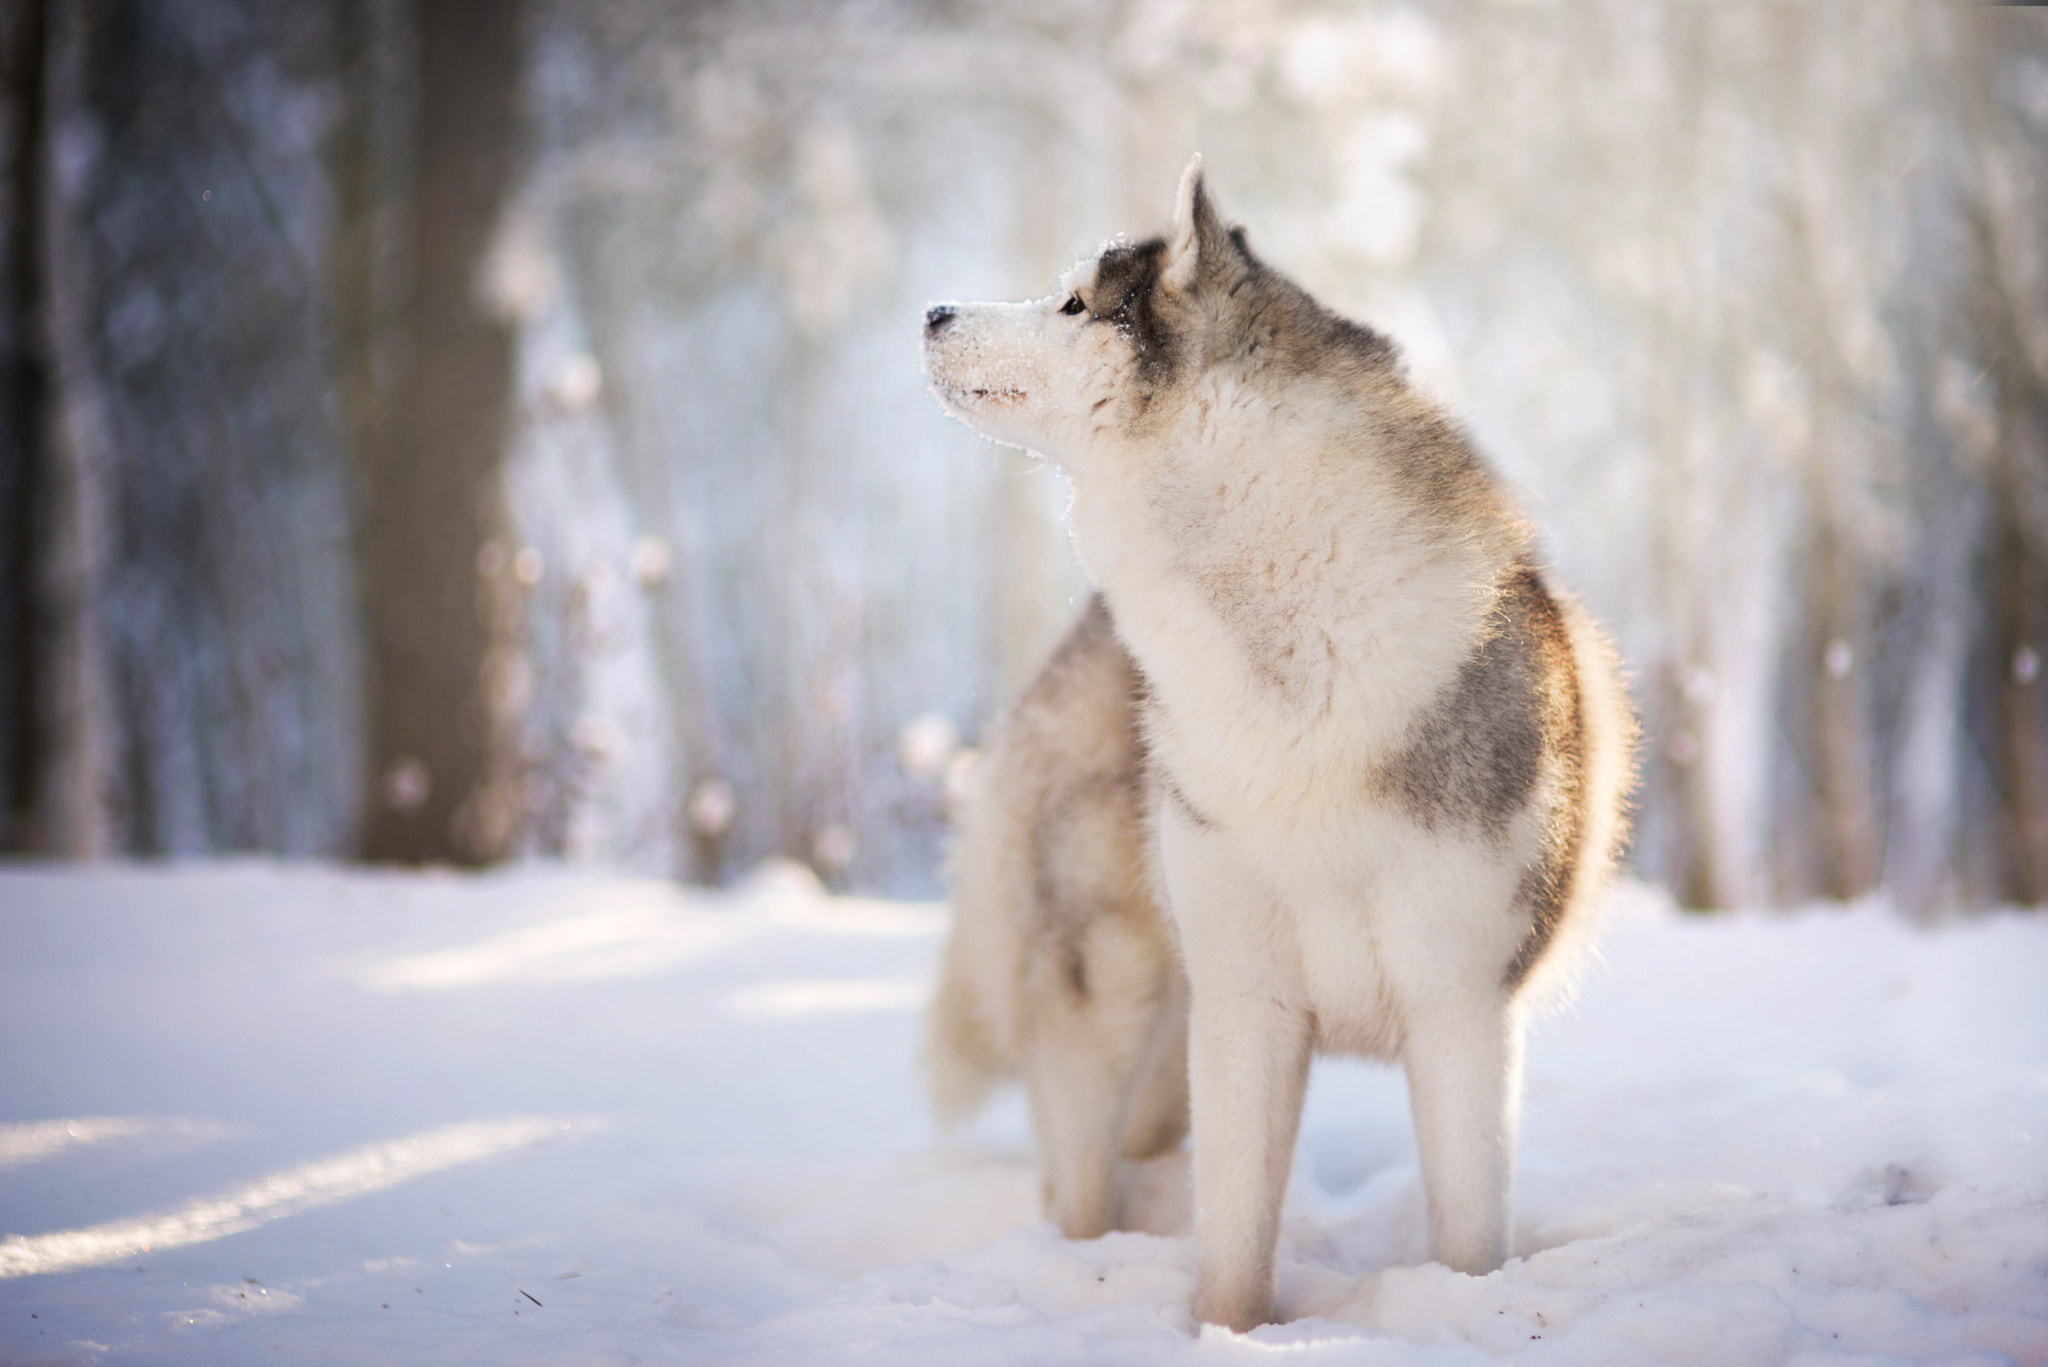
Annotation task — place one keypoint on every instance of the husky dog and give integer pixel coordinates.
(1384, 765)
(1061, 966)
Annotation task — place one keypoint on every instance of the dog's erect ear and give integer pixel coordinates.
(1200, 250)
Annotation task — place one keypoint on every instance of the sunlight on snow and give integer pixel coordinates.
(820, 996)
(315, 1183)
(33, 1141)
(640, 934)
(646, 929)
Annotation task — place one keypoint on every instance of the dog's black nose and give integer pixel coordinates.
(936, 317)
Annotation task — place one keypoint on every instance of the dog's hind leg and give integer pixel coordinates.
(1157, 1118)
(1078, 1089)
(1105, 1063)
(1464, 1064)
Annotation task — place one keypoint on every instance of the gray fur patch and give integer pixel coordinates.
(1514, 711)
(1476, 755)
(1126, 295)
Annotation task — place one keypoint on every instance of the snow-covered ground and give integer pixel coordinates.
(258, 1113)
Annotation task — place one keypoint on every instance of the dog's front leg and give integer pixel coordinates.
(1249, 1037)
(1463, 1057)
(1247, 1068)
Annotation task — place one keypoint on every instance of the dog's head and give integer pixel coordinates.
(1136, 336)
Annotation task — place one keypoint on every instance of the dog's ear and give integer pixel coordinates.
(1200, 250)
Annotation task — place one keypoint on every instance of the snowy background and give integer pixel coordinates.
(259, 1113)
(487, 434)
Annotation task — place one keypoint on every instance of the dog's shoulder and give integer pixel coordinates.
(1478, 752)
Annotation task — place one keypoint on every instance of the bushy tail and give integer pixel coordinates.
(970, 1027)
(963, 1061)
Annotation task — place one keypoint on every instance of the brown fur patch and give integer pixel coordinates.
(1082, 876)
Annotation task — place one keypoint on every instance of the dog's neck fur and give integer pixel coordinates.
(1245, 618)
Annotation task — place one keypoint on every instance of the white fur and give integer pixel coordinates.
(1314, 911)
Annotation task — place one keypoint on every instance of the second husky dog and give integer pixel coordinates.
(1061, 966)
(1382, 764)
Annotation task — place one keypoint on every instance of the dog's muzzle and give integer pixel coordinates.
(937, 316)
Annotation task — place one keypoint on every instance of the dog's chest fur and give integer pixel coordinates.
(1319, 649)
(1295, 613)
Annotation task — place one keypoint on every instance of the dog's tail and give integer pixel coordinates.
(963, 1060)
(971, 1027)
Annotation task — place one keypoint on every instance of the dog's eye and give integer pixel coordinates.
(1073, 305)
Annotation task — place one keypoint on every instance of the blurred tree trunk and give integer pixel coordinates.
(432, 490)
(73, 713)
(2004, 316)
(197, 622)
(2014, 641)
(24, 388)
(1831, 663)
